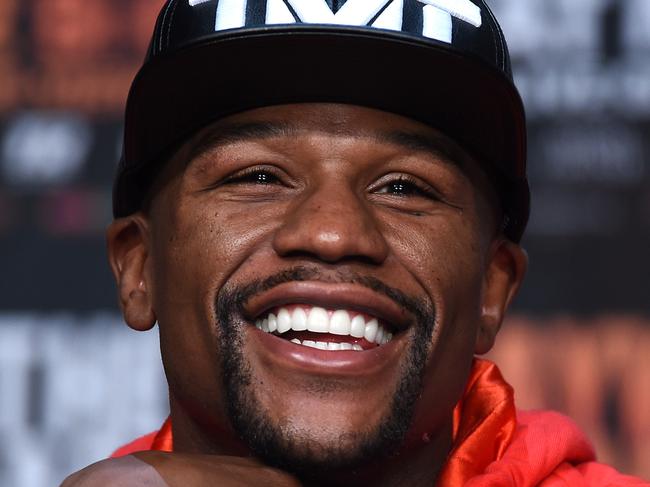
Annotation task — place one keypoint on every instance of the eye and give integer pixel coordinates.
(399, 187)
(405, 186)
(253, 176)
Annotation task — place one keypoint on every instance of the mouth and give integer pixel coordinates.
(334, 330)
(328, 317)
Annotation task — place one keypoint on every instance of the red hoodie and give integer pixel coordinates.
(494, 445)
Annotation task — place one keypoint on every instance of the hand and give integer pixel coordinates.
(158, 469)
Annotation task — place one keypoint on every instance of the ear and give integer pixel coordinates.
(505, 272)
(128, 251)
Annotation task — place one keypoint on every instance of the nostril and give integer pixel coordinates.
(303, 256)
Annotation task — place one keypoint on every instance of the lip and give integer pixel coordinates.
(351, 297)
(342, 364)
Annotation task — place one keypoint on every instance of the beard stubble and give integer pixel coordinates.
(283, 446)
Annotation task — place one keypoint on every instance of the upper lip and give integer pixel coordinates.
(331, 296)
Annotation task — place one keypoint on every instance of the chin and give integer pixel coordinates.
(313, 445)
(310, 449)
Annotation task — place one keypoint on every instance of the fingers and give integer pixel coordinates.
(126, 471)
(158, 469)
(180, 470)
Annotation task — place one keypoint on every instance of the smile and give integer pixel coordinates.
(325, 329)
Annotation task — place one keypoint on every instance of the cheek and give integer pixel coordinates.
(451, 271)
(445, 256)
(199, 246)
(196, 249)
(447, 260)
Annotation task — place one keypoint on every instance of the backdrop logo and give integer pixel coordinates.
(384, 14)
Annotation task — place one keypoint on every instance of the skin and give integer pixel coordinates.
(336, 202)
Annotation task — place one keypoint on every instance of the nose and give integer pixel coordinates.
(331, 224)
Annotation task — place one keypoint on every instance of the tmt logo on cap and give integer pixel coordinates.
(437, 15)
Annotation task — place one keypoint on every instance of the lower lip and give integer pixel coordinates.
(314, 360)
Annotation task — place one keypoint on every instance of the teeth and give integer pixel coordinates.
(299, 320)
(319, 320)
(340, 323)
(284, 320)
(370, 332)
(358, 326)
(330, 346)
(379, 338)
(273, 323)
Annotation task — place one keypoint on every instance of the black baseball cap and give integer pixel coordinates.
(442, 62)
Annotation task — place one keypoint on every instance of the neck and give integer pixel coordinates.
(203, 438)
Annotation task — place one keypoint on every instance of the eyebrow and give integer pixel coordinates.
(437, 145)
(242, 132)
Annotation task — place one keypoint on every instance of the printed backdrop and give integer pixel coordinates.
(583, 67)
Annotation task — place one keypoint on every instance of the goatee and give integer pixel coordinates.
(281, 446)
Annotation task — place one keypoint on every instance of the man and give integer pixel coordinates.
(321, 204)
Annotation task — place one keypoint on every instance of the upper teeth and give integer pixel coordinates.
(319, 320)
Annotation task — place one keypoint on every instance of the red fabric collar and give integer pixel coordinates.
(484, 423)
(163, 439)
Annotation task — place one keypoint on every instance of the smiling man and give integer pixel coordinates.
(321, 204)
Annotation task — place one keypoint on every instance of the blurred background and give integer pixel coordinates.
(75, 382)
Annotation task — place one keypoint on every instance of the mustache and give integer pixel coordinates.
(235, 298)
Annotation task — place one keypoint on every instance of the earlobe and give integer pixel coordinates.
(503, 277)
(128, 251)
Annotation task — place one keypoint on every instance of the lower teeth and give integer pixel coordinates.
(328, 345)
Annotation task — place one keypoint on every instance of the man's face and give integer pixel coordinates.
(356, 234)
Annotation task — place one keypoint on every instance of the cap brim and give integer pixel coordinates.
(174, 96)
